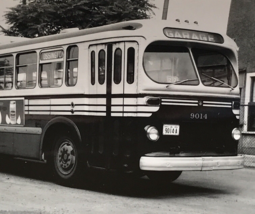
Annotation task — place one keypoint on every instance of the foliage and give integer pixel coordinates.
(35, 18)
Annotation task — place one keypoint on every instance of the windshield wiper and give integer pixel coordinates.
(218, 80)
(180, 82)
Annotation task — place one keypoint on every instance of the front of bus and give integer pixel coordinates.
(190, 78)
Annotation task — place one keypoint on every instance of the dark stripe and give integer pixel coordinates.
(195, 98)
(109, 80)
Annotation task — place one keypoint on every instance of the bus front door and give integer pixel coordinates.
(124, 79)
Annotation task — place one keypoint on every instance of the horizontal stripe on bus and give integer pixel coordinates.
(180, 104)
(67, 113)
(77, 108)
(21, 130)
(180, 101)
(39, 108)
(77, 101)
(134, 114)
(218, 106)
(217, 103)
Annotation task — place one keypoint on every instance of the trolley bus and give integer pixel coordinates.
(141, 97)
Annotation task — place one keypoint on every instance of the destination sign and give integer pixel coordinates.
(52, 55)
(193, 35)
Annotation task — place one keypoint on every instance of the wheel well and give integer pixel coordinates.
(52, 132)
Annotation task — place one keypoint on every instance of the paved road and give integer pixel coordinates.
(25, 188)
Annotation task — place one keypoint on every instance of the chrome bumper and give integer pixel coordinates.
(191, 163)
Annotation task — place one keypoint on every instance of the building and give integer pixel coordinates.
(241, 28)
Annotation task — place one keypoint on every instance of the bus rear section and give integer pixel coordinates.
(196, 126)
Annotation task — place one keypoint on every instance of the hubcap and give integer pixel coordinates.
(66, 157)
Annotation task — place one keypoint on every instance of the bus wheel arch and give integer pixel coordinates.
(61, 146)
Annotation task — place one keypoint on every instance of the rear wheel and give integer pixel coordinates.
(65, 160)
(163, 177)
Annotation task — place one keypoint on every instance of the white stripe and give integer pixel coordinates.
(210, 102)
(179, 104)
(117, 101)
(219, 106)
(130, 108)
(39, 108)
(143, 115)
(133, 101)
(77, 101)
(116, 114)
(116, 108)
(40, 112)
(148, 108)
(39, 102)
(78, 108)
(60, 108)
(133, 114)
(182, 101)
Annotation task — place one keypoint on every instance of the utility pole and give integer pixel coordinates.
(165, 9)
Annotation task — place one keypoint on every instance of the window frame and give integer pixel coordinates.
(51, 61)
(4, 74)
(117, 68)
(93, 67)
(68, 60)
(103, 76)
(131, 75)
(17, 66)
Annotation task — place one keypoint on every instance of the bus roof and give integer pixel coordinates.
(11, 39)
(136, 27)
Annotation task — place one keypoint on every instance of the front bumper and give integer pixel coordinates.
(191, 163)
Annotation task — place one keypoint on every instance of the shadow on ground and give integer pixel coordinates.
(111, 183)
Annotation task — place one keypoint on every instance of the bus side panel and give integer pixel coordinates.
(6, 143)
(27, 145)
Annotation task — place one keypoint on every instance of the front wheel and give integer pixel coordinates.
(163, 177)
(65, 160)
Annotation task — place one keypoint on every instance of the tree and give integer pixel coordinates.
(37, 18)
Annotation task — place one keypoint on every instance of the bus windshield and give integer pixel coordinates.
(214, 69)
(168, 64)
(171, 65)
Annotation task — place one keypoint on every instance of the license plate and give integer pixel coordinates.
(171, 129)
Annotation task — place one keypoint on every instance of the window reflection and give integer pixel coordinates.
(26, 70)
(6, 72)
(167, 64)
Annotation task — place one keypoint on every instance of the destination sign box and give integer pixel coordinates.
(193, 35)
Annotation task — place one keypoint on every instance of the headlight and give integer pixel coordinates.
(236, 134)
(152, 133)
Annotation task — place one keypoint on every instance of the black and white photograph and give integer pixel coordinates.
(127, 106)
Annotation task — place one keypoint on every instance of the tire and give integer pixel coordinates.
(65, 161)
(163, 177)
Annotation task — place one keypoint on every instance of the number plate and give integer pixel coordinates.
(171, 129)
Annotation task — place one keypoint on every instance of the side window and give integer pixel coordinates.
(6, 72)
(72, 66)
(93, 67)
(101, 67)
(26, 68)
(51, 69)
(117, 66)
(130, 65)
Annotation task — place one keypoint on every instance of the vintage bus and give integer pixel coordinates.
(139, 97)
